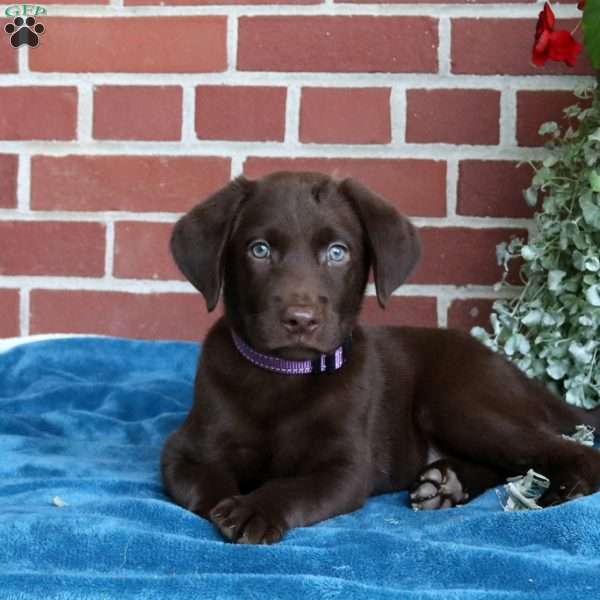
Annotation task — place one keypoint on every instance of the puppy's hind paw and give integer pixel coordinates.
(437, 487)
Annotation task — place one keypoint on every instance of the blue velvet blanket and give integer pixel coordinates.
(83, 514)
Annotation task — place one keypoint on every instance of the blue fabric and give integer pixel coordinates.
(84, 418)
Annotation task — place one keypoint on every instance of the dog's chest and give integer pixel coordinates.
(279, 449)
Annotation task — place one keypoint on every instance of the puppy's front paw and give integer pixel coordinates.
(437, 487)
(239, 521)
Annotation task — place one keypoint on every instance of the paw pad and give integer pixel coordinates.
(24, 31)
(437, 489)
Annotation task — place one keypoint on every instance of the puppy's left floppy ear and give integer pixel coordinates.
(393, 241)
(199, 238)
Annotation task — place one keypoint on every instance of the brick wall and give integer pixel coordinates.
(126, 115)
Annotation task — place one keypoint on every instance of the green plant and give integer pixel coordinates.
(551, 329)
(591, 30)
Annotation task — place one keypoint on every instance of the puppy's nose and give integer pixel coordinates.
(300, 319)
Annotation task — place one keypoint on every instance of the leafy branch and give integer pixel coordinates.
(551, 330)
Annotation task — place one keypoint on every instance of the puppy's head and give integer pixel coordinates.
(292, 252)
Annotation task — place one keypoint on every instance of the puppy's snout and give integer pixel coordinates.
(300, 319)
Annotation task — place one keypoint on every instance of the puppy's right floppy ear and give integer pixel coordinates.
(199, 238)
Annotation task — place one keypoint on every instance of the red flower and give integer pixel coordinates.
(546, 20)
(553, 45)
(581, 4)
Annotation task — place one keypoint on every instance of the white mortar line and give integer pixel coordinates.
(85, 93)
(292, 115)
(444, 58)
(207, 148)
(23, 60)
(86, 216)
(398, 116)
(24, 183)
(443, 303)
(508, 117)
(449, 292)
(472, 222)
(536, 82)
(24, 310)
(104, 284)
(110, 248)
(452, 189)
(154, 217)
(504, 11)
(188, 114)
(153, 286)
(237, 165)
(232, 43)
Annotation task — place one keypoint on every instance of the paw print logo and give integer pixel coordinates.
(24, 31)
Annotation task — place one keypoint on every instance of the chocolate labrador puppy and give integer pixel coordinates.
(300, 413)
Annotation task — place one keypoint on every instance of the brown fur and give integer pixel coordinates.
(260, 452)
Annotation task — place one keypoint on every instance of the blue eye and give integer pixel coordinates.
(260, 250)
(337, 253)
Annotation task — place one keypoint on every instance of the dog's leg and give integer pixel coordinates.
(192, 484)
(264, 515)
(450, 482)
(494, 415)
(515, 443)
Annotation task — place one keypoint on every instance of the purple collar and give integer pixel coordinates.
(326, 363)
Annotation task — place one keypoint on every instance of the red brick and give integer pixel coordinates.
(460, 255)
(438, 1)
(52, 248)
(141, 112)
(142, 251)
(401, 310)
(41, 19)
(9, 313)
(493, 188)
(147, 316)
(465, 314)
(187, 44)
(535, 108)
(229, 112)
(345, 115)
(217, 2)
(448, 116)
(8, 55)
(38, 113)
(415, 187)
(9, 165)
(338, 43)
(133, 183)
(503, 46)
